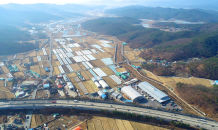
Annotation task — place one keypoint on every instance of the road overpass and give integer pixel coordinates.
(95, 105)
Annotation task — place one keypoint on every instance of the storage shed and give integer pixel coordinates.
(47, 69)
(153, 91)
(100, 93)
(132, 93)
(46, 86)
(115, 95)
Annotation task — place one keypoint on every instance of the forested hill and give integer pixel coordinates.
(197, 43)
(10, 37)
(156, 13)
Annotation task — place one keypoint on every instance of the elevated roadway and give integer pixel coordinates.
(88, 105)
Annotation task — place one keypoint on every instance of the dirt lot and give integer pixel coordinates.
(3, 75)
(76, 49)
(97, 63)
(107, 71)
(75, 67)
(19, 74)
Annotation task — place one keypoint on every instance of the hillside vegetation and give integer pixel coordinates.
(10, 37)
(156, 13)
(202, 97)
(200, 41)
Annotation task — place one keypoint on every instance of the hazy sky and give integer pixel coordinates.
(71, 1)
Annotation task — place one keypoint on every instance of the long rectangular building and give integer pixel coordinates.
(153, 91)
(132, 93)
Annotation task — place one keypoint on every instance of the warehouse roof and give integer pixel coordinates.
(154, 92)
(131, 93)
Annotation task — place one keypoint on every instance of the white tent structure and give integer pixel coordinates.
(132, 93)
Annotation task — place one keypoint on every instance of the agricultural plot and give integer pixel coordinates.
(82, 66)
(112, 124)
(120, 124)
(2, 95)
(127, 48)
(75, 67)
(5, 69)
(3, 76)
(42, 71)
(45, 64)
(103, 55)
(82, 87)
(33, 53)
(77, 87)
(2, 84)
(110, 81)
(16, 61)
(97, 63)
(57, 63)
(19, 67)
(9, 84)
(88, 87)
(70, 75)
(34, 67)
(135, 125)
(26, 60)
(76, 49)
(120, 69)
(94, 87)
(205, 82)
(86, 75)
(35, 59)
(129, 55)
(107, 71)
(127, 125)
(19, 74)
(56, 71)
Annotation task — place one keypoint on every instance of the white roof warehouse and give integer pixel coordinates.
(132, 93)
(154, 92)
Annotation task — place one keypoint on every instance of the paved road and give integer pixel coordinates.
(111, 107)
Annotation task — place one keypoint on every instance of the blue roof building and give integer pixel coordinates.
(46, 86)
(216, 82)
(47, 69)
(154, 92)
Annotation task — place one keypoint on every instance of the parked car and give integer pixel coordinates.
(53, 101)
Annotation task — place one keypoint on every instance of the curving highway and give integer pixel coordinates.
(34, 104)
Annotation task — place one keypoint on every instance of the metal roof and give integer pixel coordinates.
(131, 93)
(107, 61)
(153, 91)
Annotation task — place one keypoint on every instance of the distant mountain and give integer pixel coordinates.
(156, 13)
(15, 17)
(51, 8)
(35, 13)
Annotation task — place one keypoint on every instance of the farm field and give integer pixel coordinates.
(110, 81)
(171, 81)
(75, 67)
(19, 74)
(5, 69)
(104, 123)
(107, 71)
(97, 63)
